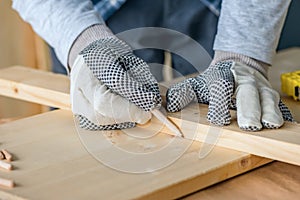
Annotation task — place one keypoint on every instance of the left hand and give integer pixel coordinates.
(257, 104)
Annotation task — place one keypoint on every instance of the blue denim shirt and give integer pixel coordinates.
(106, 8)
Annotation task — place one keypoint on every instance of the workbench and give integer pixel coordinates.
(52, 162)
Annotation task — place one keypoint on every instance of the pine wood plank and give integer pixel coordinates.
(36, 86)
(282, 144)
(51, 163)
(274, 181)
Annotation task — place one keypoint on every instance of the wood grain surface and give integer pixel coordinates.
(279, 144)
(51, 162)
(274, 181)
(43, 172)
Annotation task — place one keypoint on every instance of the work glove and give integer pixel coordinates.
(230, 84)
(110, 87)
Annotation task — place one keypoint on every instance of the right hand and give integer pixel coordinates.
(111, 88)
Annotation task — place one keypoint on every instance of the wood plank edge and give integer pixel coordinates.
(33, 94)
(244, 164)
(241, 141)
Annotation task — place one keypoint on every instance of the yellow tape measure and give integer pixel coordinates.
(290, 84)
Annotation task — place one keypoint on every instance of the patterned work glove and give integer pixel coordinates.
(257, 104)
(111, 88)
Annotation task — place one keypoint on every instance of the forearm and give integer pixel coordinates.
(58, 22)
(251, 28)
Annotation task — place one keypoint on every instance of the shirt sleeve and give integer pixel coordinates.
(251, 28)
(58, 22)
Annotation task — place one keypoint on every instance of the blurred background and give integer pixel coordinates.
(19, 45)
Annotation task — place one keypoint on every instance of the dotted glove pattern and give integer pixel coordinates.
(113, 63)
(215, 86)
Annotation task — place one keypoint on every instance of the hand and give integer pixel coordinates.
(111, 88)
(257, 104)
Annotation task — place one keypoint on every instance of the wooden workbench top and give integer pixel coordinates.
(52, 163)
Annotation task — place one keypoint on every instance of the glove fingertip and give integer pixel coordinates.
(286, 113)
(271, 126)
(250, 128)
(221, 92)
(179, 95)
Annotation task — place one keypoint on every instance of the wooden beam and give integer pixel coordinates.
(282, 144)
(50, 89)
(52, 162)
(36, 86)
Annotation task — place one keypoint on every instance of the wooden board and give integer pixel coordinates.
(282, 144)
(39, 158)
(274, 181)
(278, 144)
(36, 86)
(65, 186)
(52, 163)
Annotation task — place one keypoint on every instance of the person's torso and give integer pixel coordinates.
(107, 8)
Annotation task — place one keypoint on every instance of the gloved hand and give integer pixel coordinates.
(257, 104)
(110, 87)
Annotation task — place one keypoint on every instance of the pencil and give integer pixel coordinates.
(169, 124)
